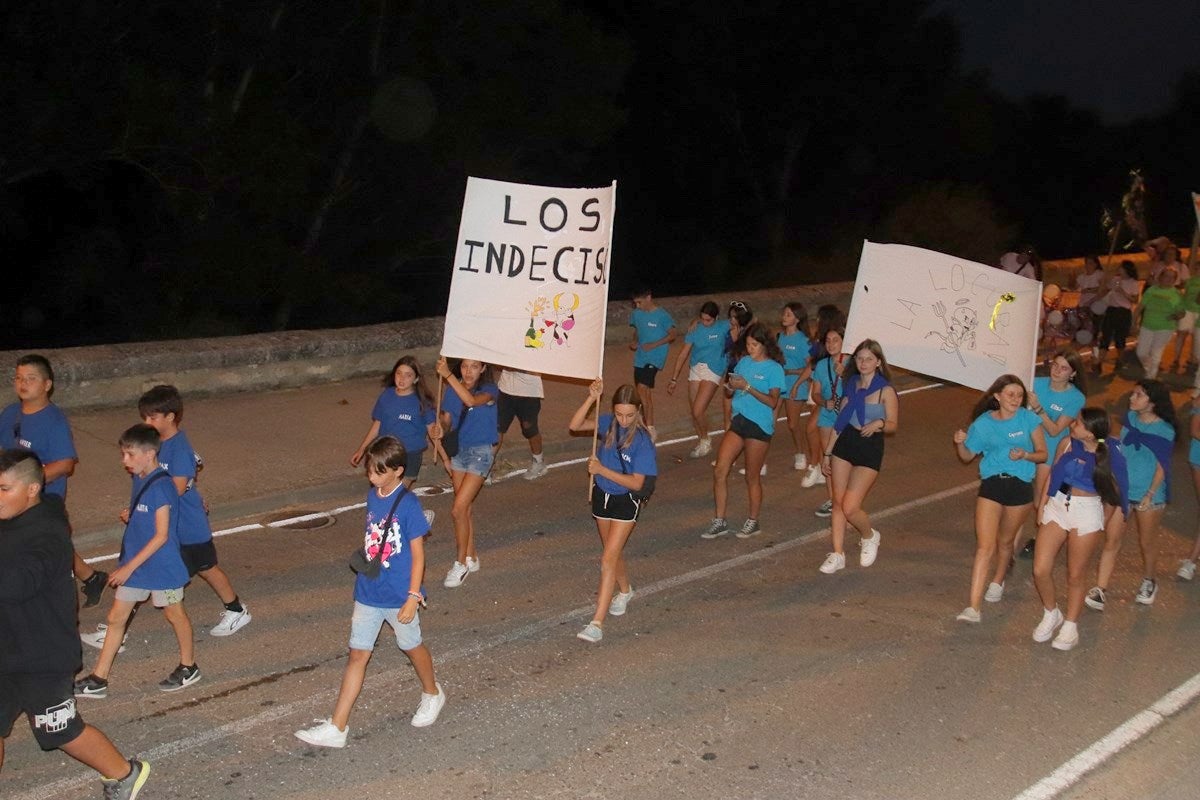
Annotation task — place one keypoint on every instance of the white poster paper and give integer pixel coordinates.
(944, 316)
(530, 283)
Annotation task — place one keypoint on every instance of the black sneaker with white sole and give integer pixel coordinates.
(91, 686)
(93, 587)
(180, 678)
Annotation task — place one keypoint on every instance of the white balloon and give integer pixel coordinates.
(1055, 317)
(1083, 336)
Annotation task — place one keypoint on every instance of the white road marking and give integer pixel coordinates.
(1121, 737)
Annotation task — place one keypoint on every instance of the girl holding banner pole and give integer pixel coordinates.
(622, 467)
(869, 409)
(756, 382)
(1009, 437)
(468, 407)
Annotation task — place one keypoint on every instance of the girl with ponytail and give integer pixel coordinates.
(1087, 475)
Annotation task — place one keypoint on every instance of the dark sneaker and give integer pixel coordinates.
(93, 587)
(826, 510)
(128, 787)
(91, 686)
(1027, 550)
(1147, 592)
(180, 678)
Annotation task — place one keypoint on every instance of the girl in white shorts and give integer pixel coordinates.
(1084, 478)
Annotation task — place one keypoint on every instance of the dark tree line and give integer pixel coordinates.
(183, 169)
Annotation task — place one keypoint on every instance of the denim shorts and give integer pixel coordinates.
(476, 459)
(367, 620)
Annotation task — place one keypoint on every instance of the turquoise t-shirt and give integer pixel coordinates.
(995, 437)
(764, 376)
(651, 326)
(708, 344)
(1069, 401)
(795, 347)
(1141, 461)
(829, 383)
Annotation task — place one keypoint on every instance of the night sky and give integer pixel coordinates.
(1116, 57)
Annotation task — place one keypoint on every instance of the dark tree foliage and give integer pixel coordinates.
(182, 169)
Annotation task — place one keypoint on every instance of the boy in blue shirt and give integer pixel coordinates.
(394, 547)
(35, 423)
(40, 654)
(654, 330)
(150, 565)
(162, 409)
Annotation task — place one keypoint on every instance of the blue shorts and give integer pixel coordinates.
(476, 459)
(367, 620)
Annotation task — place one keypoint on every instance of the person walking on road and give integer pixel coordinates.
(469, 408)
(406, 410)
(1011, 440)
(623, 471)
(869, 409)
(521, 396)
(704, 353)
(1085, 477)
(654, 330)
(794, 343)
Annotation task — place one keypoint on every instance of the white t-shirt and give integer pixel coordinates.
(515, 383)
(1009, 263)
(1115, 299)
(1088, 286)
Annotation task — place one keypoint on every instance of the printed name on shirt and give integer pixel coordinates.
(143, 508)
(1017, 434)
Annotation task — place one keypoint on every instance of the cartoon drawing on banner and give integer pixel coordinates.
(960, 330)
(960, 327)
(554, 327)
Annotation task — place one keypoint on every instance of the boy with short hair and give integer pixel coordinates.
(150, 565)
(654, 330)
(162, 408)
(41, 652)
(393, 545)
(35, 423)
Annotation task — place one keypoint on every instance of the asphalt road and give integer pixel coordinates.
(739, 671)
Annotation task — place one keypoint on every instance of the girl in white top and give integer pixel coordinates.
(1123, 292)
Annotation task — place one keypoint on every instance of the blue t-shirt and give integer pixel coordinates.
(1069, 402)
(1141, 461)
(995, 437)
(400, 415)
(764, 376)
(829, 383)
(1194, 447)
(640, 457)
(178, 458)
(708, 344)
(479, 426)
(47, 433)
(390, 589)
(795, 347)
(164, 569)
(651, 326)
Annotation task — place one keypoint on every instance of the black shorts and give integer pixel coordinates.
(619, 507)
(198, 557)
(747, 429)
(413, 459)
(859, 450)
(1007, 490)
(525, 409)
(48, 699)
(644, 376)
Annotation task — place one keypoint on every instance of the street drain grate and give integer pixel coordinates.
(301, 520)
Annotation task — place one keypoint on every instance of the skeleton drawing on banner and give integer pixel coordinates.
(959, 327)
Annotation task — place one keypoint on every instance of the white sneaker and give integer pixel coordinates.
(96, 639)
(231, 622)
(1068, 636)
(800, 462)
(323, 734)
(536, 470)
(1187, 570)
(870, 549)
(763, 471)
(456, 575)
(812, 478)
(472, 564)
(653, 433)
(702, 448)
(1051, 621)
(620, 602)
(969, 614)
(431, 705)
(591, 633)
(833, 562)
(994, 593)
